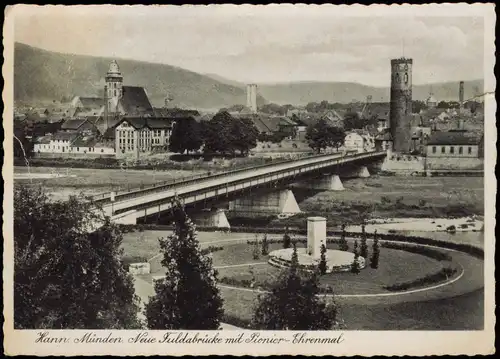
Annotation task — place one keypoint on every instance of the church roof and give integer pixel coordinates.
(94, 103)
(135, 101)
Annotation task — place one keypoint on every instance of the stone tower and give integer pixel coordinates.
(114, 85)
(252, 97)
(401, 103)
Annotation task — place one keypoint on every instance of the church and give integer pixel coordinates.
(123, 122)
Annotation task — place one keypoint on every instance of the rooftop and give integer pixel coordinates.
(454, 138)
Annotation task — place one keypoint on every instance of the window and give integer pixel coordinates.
(443, 149)
(452, 149)
(433, 149)
(78, 149)
(460, 150)
(470, 150)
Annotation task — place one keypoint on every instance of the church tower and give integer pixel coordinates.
(401, 103)
(114, 85)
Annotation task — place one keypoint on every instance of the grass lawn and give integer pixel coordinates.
(145, 244)
(93, 181)
(392, 197)
(435, 191)
(464, 312)
(395, 266)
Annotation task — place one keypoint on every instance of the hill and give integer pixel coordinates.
(41, 76)
(301, 93)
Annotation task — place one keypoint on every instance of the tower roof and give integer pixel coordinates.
(114, 70)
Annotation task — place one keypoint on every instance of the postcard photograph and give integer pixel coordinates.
(281, 179)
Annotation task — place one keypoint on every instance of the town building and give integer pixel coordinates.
(359, 140)
(136, 135)
(455, 150)
(383, 141)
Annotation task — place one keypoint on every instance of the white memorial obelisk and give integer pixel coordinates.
(316, 235)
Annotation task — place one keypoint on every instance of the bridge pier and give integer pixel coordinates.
(278, 202)
(327, 182)
(214, 218)
(363, 172)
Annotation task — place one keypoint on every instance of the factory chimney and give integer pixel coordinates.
(252, 97)
(461, 95)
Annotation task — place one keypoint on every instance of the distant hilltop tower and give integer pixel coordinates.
(114, 84)
(401, 104)
(252, 97)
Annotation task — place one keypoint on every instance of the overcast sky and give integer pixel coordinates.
(265, 45)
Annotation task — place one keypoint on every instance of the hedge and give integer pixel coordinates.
(425, 251)
(443, 274)
(461, 247)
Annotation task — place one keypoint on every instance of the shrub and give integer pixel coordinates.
(425, 251)
(443, 274)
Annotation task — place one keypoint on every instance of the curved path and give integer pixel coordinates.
(469, 279)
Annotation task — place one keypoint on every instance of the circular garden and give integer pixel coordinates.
(401, 267)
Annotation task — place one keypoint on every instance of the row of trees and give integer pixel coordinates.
(69, 276)
(363, 252)
(321, 136)
(223, 134)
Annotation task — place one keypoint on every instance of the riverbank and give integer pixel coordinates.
(390, 225)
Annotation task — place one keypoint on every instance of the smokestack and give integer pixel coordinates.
(461, 97)
(252, 97)
(461, 93)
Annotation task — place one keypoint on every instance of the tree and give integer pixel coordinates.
(364, 247)
(418, 106)
(244, 135)
(337, 136)
(226, 134)
(256, 249)
(287, 240)
(293, 303)
(321, 135)
(343, 246)
(265, 246)
(353, 121)
(187, 298)
(375, 252)
(217, 133)
(443, 104)
(186, 136)
(355, 267)
(67, 274)
(23, 144)
(322, 261)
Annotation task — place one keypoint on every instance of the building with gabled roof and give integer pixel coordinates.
(135, 135)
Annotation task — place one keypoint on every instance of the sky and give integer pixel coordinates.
(263, 44)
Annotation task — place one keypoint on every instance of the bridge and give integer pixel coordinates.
(239, 187)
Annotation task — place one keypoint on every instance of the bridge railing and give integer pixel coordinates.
(238, 181)
(106, 197)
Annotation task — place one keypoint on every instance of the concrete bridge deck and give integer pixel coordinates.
(153, 200)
